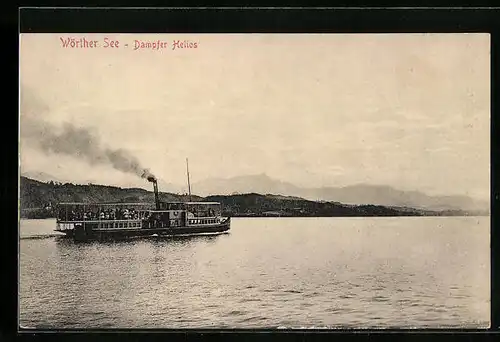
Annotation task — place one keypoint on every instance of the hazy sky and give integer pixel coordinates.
(407, 110)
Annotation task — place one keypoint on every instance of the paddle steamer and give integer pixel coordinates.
(100, 221)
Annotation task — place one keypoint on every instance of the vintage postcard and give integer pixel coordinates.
(277, 181)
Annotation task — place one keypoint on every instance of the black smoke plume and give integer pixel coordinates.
(79, 142)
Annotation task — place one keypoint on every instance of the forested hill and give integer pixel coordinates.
(37, 200)
(35, 196)
(249, 205)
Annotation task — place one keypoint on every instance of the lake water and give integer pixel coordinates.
(266, 273)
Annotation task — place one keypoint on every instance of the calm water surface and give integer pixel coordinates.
(266, 273)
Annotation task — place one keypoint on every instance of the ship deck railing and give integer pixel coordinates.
(203, 220)
(63, 225)
(118, 204)
(99, 221)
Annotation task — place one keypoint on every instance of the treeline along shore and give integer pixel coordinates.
(39, 199)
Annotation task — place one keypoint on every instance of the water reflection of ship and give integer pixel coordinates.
(100, 221)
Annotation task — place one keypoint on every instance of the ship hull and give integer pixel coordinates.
(88, 233)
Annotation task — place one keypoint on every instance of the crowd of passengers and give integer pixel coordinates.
(107, 214)
(122, 214)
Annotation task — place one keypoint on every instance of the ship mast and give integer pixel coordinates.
(189, 184)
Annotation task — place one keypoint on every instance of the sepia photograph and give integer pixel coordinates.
(254, 181)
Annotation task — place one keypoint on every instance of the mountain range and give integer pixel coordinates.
(353, 194)
(359, 194)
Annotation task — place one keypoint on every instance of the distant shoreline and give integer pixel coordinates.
(39, 199)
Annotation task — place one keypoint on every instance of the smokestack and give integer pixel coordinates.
(155, 188)
(151, 178)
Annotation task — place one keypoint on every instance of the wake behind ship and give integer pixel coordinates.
(94, 221)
